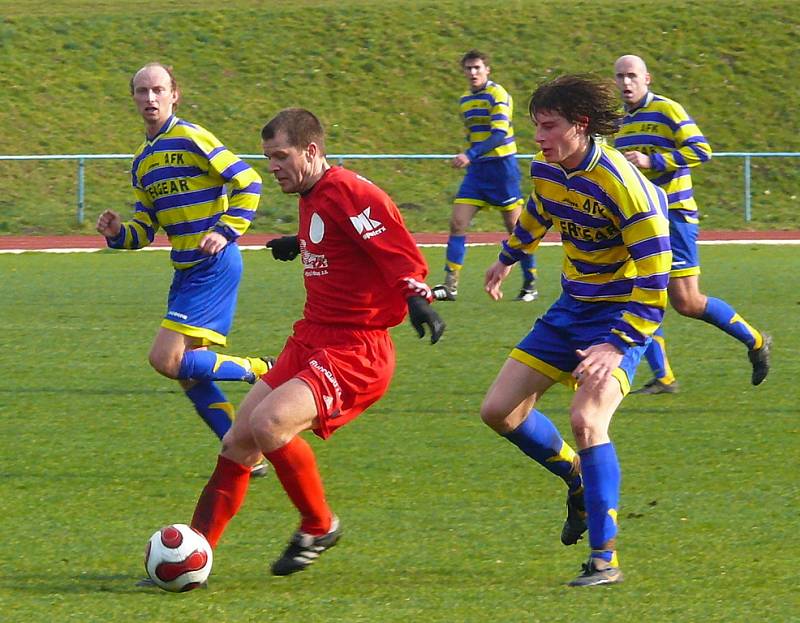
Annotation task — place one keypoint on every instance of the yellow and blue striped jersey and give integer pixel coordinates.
(181, 179)
(488, 118)
(662, 129)
(614, 233)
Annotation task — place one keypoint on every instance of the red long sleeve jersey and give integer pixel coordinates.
(360, 263)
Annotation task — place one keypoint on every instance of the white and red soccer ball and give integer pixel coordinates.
(178, 558)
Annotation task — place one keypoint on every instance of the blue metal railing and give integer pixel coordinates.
(340, 158)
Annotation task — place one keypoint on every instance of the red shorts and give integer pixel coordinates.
(346, 369)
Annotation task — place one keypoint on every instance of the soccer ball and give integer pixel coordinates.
(178, 558)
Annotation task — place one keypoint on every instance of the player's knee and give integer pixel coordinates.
(510, 220)
(489, 414)
(235, 449)
(167, 365)
(269, 429)
(689, 306)
(582, 428)
(457, 228)
(228, 446)
(262, 420)
(495, 416)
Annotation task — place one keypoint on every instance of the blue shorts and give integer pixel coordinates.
(569, 325)
(493, 183)
(683, 238)
(202, 299)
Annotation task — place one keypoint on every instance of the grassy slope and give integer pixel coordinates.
(444, 521)
(384, 78)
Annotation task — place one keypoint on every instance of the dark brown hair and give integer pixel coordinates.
(580, 98)
(475, 55)
(301, 126)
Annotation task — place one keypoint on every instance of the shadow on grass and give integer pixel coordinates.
(37, 391)
(83, 584)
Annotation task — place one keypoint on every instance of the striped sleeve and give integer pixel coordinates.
(691, 147)
(244, 186)
(140, 231)
(531, 227)
(501, 110)
(499, 124)
(645, 233)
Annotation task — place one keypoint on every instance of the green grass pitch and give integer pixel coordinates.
(443, 520)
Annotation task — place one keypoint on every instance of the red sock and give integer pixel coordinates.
(296, 468)
(220, 499)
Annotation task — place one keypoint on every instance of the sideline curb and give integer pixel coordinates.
(91, 244)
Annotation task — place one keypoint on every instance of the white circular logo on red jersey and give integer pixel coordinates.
(316, 230)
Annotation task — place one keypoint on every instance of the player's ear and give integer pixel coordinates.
(312, 150)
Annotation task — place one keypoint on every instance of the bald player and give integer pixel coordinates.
(663, 141)
(204, 197)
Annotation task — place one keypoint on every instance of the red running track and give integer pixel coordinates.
(34, 243)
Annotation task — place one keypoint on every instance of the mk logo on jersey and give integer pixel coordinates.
(367, 226)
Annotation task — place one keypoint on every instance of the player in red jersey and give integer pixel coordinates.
(362, 272)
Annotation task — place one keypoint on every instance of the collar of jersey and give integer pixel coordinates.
(483, 88)
(165, 128)
(645, 101)
(589, 161)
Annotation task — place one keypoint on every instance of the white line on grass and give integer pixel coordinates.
(432, 245)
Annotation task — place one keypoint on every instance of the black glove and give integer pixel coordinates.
(421, 313)
(285, 248)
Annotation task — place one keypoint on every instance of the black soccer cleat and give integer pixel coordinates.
(760, 360)
(443, 292)
(304, 549)
(528, 293)
(597, 572)
(575, 523)
(654, 386)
